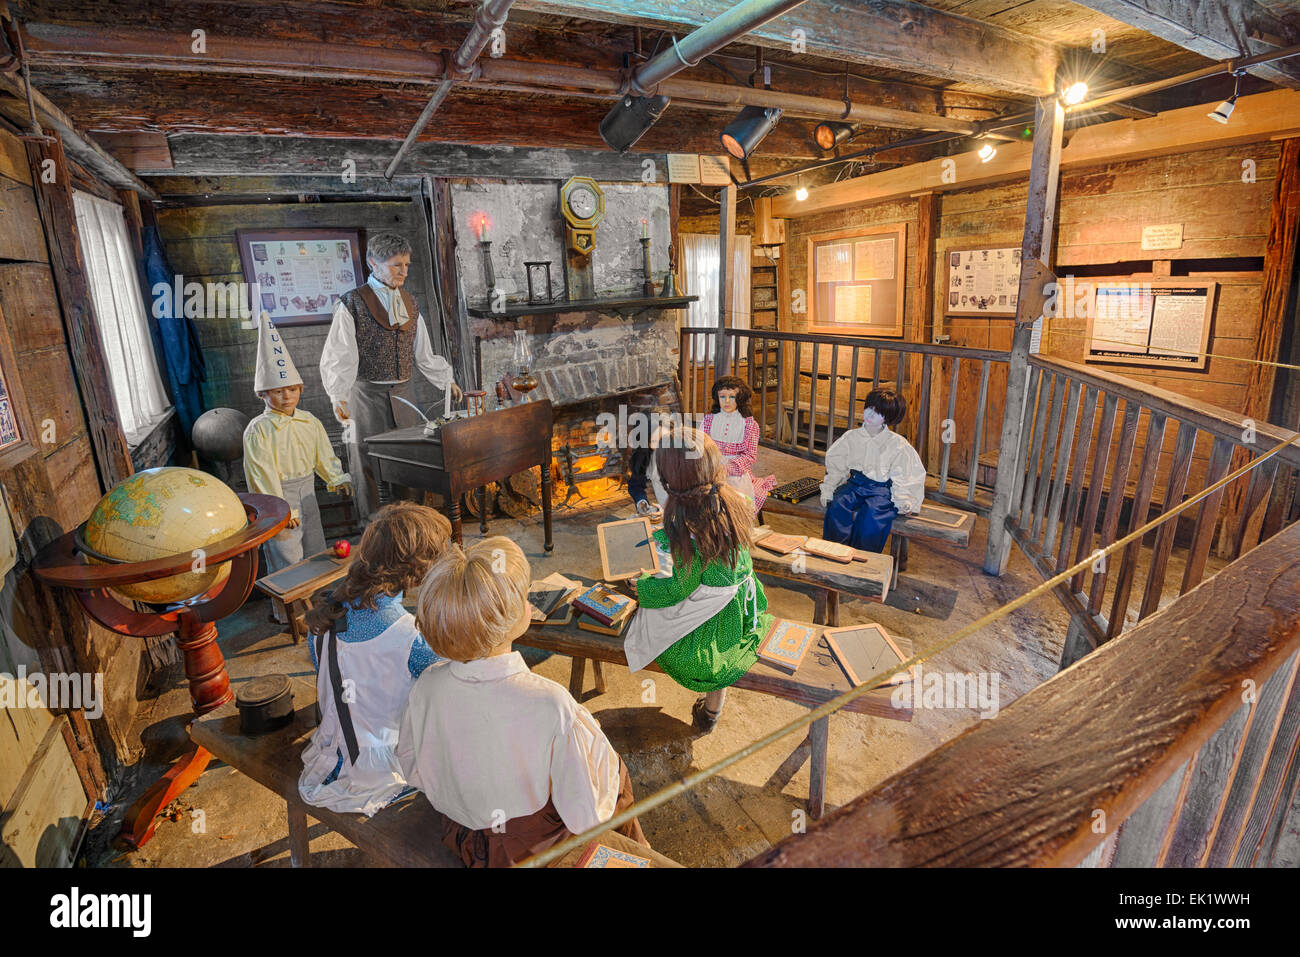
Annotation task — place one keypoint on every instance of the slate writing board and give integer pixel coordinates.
(864, 651)
(626, 548)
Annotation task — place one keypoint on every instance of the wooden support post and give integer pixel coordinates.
(818, 737)
(299, 842)
(443, 250)
(1035, 253)
(726, 279)
(1279, 263)
(53, 185)
(922, 326)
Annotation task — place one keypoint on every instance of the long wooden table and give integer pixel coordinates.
(818, 680)
(407, 833)
(466, 454)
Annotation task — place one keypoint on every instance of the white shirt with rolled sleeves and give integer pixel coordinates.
(884, 456)
(338, 359)
(488, 741)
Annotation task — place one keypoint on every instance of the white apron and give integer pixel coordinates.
(293, 544)
(375, 680)
(653, 631)
(729, 427)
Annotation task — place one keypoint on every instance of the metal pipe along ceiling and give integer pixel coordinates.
(491, 15)
(712, 36)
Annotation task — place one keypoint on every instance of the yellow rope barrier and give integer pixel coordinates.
(666, 794)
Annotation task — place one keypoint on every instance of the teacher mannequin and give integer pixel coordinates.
(376, 337)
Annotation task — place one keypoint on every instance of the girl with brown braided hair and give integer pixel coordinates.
(368, 653)
(702, 615)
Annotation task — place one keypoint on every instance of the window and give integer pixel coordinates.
(700, 273)
(120, 312)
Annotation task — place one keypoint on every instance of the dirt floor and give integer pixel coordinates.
(226, 820)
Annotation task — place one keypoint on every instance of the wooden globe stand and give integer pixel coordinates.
(61, 563)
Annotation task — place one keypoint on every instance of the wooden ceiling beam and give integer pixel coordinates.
(58, 47)
(890, 34)
(1219, 30)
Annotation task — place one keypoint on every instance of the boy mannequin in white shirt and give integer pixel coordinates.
(872, 475)
(510, 760)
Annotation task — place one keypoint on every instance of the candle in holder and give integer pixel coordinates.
(648, 286)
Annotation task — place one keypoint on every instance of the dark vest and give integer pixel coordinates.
(385, 352)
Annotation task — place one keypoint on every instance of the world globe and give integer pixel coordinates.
(162, 512)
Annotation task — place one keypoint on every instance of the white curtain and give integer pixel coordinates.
(700, 274)
(120, 313)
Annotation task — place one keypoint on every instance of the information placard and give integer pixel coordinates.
(983, 282)
(1141, 322)
(298, 275)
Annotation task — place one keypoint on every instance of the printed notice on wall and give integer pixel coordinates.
(983, 282)
(835, 262)
(683, 168)
(715, 171)
(1139, 323)
(1168, 236)
(853, 304)
(874, 259)
(9, 433)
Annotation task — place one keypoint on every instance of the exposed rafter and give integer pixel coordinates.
(1219, 30)
(884, 33)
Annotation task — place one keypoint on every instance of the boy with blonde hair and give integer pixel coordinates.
(512, 762)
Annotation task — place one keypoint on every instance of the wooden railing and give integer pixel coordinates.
(1072, 480)
(1173, 745)
(810, 388)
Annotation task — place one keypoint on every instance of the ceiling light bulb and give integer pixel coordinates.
(1076, 93)
(987, 152)
(801, 193)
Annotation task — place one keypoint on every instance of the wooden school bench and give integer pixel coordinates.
(789, 467)
(405, 834)
(817, 681)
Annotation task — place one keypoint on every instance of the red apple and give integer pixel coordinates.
(342, 548)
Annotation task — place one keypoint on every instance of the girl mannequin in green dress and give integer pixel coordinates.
(701, 617)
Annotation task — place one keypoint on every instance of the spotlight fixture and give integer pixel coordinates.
(800, 190)
(1223, 112)
(629, 119)
(746, 131)
(1075, 93)
(829, 135)
(987, 152)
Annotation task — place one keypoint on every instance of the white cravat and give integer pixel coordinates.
(338, 358)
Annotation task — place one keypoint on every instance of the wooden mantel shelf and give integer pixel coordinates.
(627, 307)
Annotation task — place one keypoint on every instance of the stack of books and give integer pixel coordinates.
(549, 599)
(602, 610)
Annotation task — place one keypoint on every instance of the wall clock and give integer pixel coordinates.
(582, 204)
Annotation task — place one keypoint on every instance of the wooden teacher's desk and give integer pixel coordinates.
(466, 454)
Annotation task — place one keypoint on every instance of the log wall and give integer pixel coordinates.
(56, 488)
(1101, 215)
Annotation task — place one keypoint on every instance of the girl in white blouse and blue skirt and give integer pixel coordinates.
(872, 475)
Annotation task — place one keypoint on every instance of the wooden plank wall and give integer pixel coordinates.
(200, 243)
(1101, 215)
(56, 489)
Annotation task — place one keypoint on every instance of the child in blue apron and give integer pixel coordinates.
(368, 653)
(872, 475)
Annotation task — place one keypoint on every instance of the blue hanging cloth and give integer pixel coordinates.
(175, 340)
(861, 514)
